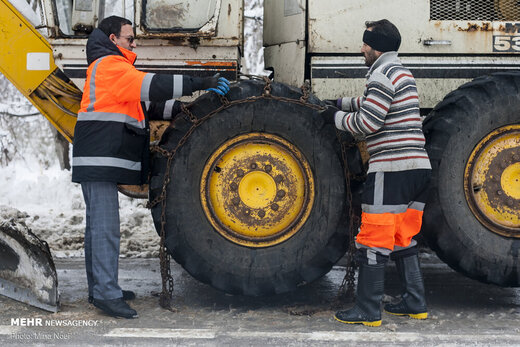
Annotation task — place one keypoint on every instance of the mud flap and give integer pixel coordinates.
(27, 271)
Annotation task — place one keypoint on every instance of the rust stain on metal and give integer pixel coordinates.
(472, 27)
(498, 200)
(497, 197)
(211, 63)
(229, 10)
(253, 217)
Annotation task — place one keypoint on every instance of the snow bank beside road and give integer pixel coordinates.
(55, 211)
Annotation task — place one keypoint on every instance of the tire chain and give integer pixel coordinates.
(166, 295)
(347, 287)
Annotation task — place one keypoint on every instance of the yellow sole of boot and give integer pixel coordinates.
(368, 324)
(423, 315)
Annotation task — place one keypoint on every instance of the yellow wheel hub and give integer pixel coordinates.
(492, 181)
(257, 190)
(510, 181)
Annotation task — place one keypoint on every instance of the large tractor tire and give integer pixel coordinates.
(257, 201)
(472, 217)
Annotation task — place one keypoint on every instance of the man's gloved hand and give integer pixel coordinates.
(217, 84)
(328, 114)
(330, 102)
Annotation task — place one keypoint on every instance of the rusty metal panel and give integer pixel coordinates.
(220, 19)
(154, 57)
(338, 26)
(172, 51)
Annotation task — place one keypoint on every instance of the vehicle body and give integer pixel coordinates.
(472, 218)
(256, 197)
(445, 43)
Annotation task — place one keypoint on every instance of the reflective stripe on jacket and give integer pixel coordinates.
(111, 136)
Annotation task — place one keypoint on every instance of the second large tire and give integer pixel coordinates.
(230, 266)
(456, 131)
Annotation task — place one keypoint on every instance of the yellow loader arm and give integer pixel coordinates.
(26, 59)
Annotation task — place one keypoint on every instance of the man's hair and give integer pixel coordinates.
(112, 25)
(384, 27)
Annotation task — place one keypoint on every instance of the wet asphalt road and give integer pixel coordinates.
(462, 312)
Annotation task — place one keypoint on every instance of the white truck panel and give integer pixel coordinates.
(333, 77)
(284, 21)
(288, 60)
(337, 26)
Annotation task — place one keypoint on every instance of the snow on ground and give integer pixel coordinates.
(56, 212)
(50, 204)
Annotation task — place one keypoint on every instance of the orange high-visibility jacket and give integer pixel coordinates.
(111, 136)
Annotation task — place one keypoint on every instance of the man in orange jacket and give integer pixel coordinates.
(111, 145)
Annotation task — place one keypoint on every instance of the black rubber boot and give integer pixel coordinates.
(370, 288)
(413, 303)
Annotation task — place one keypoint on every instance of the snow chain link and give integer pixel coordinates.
(166, 296)
(347, 288)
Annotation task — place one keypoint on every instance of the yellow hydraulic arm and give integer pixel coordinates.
(26, 59)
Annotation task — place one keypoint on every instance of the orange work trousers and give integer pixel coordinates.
(392, 208)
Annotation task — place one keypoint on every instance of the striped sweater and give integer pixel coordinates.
(387, 116)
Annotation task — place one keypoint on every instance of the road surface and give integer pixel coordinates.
(462, 312)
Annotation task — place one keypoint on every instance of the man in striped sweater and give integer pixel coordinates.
(387, 118)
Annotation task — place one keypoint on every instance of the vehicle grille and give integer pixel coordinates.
(483, 10)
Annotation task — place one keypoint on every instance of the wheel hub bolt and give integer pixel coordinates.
(235, 201)
(233, 186)
(268, 168)
(280, 193)
(261, 214)
(274, 207)
(253, 166)
(240, 173)
(278, 179)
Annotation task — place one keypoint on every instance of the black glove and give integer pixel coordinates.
(217, 84)
(328, 114)
(330, 102)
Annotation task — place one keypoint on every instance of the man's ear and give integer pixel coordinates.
(112, 38)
